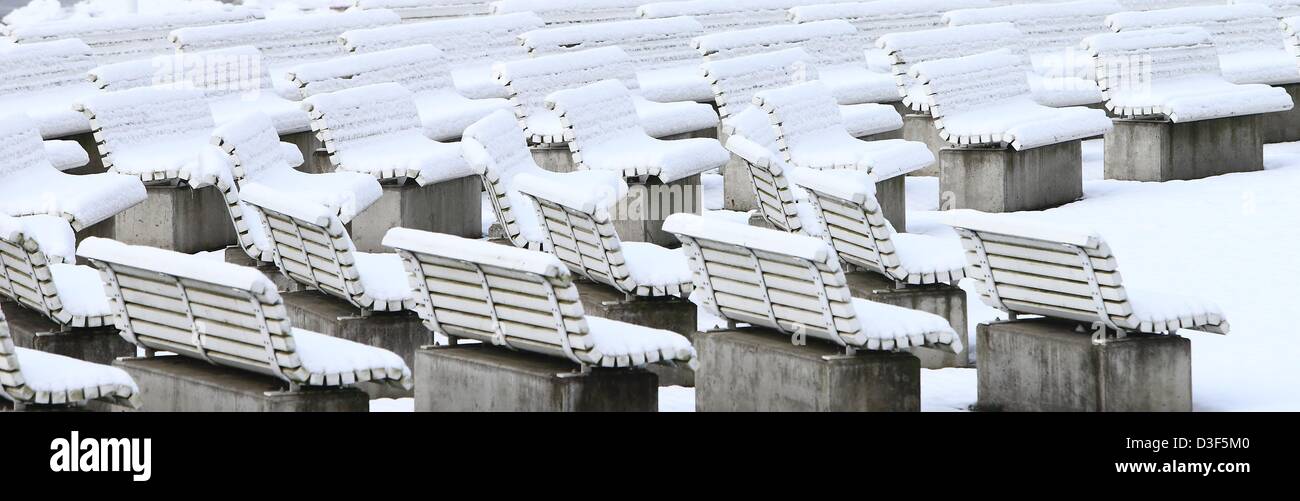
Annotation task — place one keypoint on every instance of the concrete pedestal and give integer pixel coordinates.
(316, 159)
(883, 136)
(179, 384)
(640, 216)
(401, 333)
(454, 207)
(178, 218)
(944, 300)
(892, 195)
(87, 142)
(737, 187)
(1282, 127)
(759, 370)
(33, 331)
(479, 378)
(103, 229)
(236, 255)
(670, 314)
(1146, 150)
(554, 157)
(1043, 365)
(920, 128)
(1006, 180)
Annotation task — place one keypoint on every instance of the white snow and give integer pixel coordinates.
(725, 15)
(475, 251)
(740, 235)
(614, 340)
(393, 405)
(321, 354)
(80, 290)
(650, 265)
(563, 12)
(51, 233)
(383, 276)
(284, 41)
(1051, 32)
(418, 10)
(66, 155)
(176, 264)
(115, 36)
(43, 80)
(47, 372)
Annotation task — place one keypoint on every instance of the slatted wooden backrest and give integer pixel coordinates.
(25, 274)
(735, 81)
(596, 114)
(252, 147)
(828, 42)
(413, 11)
(973, 84)
(21, 150)
(873, 19)
(651, 44)
(725, 15)
(908, 49)
(496, 148)
(1047, 27)
(362, 115)
(146, 116)
(754, 142)
(40, 67)
(1133, 61)
(1234, 28)
(801, 115)
(530, 81)
(466, 42)
(285, 41)
(767, 278)
(1282, 8)
(221, 313)
(568, 12)
(419, 68)
(495, 294)
(121, 38)
(14, 386)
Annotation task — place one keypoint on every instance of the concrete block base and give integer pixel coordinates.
(884, 136)
(737, 188)
(401, 333)
(947, 301)
(892, 195)
(670, 314)
(87, 142)
(236, 255)
(178, 218)
(554, 157)
(1148, 150)
(1282, 127)
(480, 378)
(454, 207)
(103, 229)
(316, 160)
(1043, 365)
(920, 128)
(640, 216)
(759, 370)
(1006, 180)
(179, 384)
(33, 331)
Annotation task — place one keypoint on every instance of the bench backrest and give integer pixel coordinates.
(361, 115)
(1132, 61)
(1047, 27)
(736, 80)
(829, 43)
(285, 41)
(467, 42)
(495, 294)
(650, 43)
(1233, 28)
(419, 68)
(15, 387)
(225, 314)
(874, 19)
(41, 67)
(28, 246)
(530, 81)
(768, 278)
(424, 10)
(121, 38)
(252, 147)
(21, 149)
(313, 248)
(801, 114)
(563, 12)
(497, 149)
(725, 15)
(769, 182)
(595, 114)
(958, 85)
(908, 49)
(225, 73)
(143, 117)
(1141, 5)
(1281, 8)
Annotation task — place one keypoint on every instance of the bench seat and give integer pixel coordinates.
(52, 109)
(37, 271)
(66, 155)
(39, 378)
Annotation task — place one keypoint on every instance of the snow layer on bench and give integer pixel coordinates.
(614, 339)
(321, 354)
(66, 155)
(81, 290)
(176, 264)
(46, 372)
(650, 265)
(53, 234)
(887, 325)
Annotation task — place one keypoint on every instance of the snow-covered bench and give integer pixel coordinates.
(234, 82)
(565, 12)
(422, 69)
(661, 50)
(780, 202)
(1281, 8)
(285, 41)
(795, 285)
(877, 18)
(1251, 48)
(43, 80)
(423, 10)
(857, 229)
(580, 231)
(66, 155)
(1140, 5)
(1030, 268)
(735, 81)
(521, 300)
(985, 100)
(227, 315)
(155, 134)
(313, 248)
(1052, 32)
(471, 45)
(31, 377)
(530, 81)
(30, 185)
(725, 15)
(121, 38)
(833, 45)
(37, 271)
(257, 157)
(497, 149)
(376, 130)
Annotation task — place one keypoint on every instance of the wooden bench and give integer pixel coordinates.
(43, 80)
(1281, 8)
(422, 69)
(566, 12)
(37, 270)
(876, 18)
(31, 378)
(413, 11)
(121, 38)
(723, 15)
(471, 45)
(661, 50)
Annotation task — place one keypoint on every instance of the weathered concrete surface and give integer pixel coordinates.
(1043, 365)
(179, 384)
(758, 370)
(892, 195)
(236, 255)
(1005, 180)
(944, 300)
(401, 333)
(884, 136)
(920, 127)
(316, 159)
(670, 314)
(1282, 127)
(737, 187)
(1146, 150)
(480, 378)
(640, 216)
(87, 142)
(554, 157)
(178, 218)
(454, 207)
(33, 331)
(103, 229)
